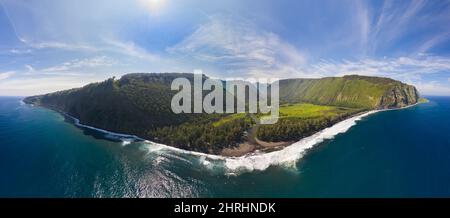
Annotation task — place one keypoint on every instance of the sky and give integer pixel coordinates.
(51, 45)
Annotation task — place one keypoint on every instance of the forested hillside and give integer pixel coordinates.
(140, 104)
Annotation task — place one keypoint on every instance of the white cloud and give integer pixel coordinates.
(396, 67)
(33, 86)
(433, 88)
(412, 70)
(363, 21)
(238, 46)
(398, 21)
(101, 61)
(433, 41)
(127, 48)
(30, 69)
(71, 74)
(20, 51)
(60, 45)
(130, 49)
(6, 75)
(393, 19)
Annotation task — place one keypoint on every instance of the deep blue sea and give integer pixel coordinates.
(398, 153)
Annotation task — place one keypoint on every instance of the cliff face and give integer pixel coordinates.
(349, 91)
(399, 96)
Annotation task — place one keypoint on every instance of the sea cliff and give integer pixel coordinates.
(140, 104)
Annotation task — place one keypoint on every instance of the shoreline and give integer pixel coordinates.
(289, 155)
(256, 159)
(257, 145)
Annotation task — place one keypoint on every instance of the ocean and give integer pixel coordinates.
(396, 153)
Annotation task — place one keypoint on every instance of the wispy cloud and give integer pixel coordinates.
(434, 41)
(42, 85)
(398, 21)
(239, 46)
(29, 68)
(130, 49)
(60, 45)
(20, 51)
(407, 69)
(6, 75)
(101, 61)
(433, 88)
(393, 19)
(401, 66)
(126, 48)
(364, 26)
(299, 39)
(70, 74)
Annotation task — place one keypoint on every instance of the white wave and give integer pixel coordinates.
(110, 134)
(261, 161)
(204, 161)
(159, 160)
(290, 154)
(254, 161)
(126, 142)
(257, 160)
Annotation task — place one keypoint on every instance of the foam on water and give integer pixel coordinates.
(287, 156)
(254, 161)
(126, 142)
(290, 154)
(126, 139)
(261, 161)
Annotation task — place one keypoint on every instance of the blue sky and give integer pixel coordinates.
(50, 45)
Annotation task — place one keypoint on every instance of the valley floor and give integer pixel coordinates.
(304, 118)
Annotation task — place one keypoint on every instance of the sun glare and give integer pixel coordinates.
(154, 6)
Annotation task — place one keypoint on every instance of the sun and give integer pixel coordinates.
(154, 6)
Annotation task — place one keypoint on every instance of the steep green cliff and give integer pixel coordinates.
(349, 91)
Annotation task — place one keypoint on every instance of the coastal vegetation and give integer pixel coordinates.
(301, 120)
(349, 91)
(140, 104)
(423, 100)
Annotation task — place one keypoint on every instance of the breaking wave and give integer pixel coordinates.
(261, 161)
(292, 153)
(287, 156)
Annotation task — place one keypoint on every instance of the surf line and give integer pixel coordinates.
(256, 160)
(252, 161)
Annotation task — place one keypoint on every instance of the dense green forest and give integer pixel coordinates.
(140, 104)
